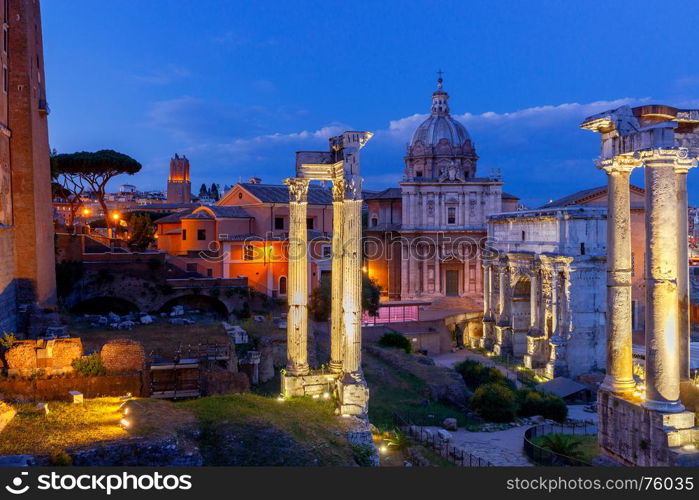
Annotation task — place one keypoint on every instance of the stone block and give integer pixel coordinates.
(43, 408)
(450, 424)
(354, 396)
(76, 397)
(444, 435)
(682, 420)
(7, 413)
(123, 355)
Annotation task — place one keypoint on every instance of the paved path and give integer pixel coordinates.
(502, 448)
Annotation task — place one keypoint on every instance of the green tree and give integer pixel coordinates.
(320, 303)
(214, 192)
(142, 230)
(494, 402)
(93, 170)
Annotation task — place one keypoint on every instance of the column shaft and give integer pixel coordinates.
(533, 304)
(487, 307)
(336, 333)
(619, 376)
(297, 322)
(662, 335)
(683, 274)
(352, 286)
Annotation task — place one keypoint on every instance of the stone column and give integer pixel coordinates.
(437, 271)
(554, 303)
(683, 272)
(352, 276)
(619, 378)
(662, 332)
(336, 333)
(297, 322)
(534, 305)
(487, 290)
(504, 318)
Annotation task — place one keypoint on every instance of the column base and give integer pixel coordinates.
(308, 385)
(298, 370)
(664, 406)
(618, 386)
(354, 395)
(335, 366)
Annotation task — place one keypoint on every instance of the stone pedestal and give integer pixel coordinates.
(489, 339)
(633, 435)
(308, 385)
(519, 344)
(557, 365)
(503, 340)
(537, 352)
(353, 394)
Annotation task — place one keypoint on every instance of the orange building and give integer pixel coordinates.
(246, 234)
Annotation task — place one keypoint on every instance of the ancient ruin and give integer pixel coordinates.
(339, 165)
(646, 423)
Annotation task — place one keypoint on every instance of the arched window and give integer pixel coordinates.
(282, 285)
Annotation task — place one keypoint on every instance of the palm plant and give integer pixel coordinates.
(563, 444)
(398, 439)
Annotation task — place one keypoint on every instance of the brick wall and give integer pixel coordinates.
(8, 308)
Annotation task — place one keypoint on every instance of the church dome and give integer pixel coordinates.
(440, 125)
(441, 147)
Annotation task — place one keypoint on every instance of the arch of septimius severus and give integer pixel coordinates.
(339, 165)
(651, 423)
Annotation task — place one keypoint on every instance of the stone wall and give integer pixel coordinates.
(122, 356)
(57, 388)
(52, 357)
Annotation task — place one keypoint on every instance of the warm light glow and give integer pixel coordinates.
(280, 399)
(690, 447)
(326, 395)
(364, 269)
(126, 411)
(316, 396)
(86, 211)
(383, 449)
(124, 422)
(115, 216)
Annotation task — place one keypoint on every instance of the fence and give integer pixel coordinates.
(452, 453)
(544, 456)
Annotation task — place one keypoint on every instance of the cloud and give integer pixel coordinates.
(163, 76)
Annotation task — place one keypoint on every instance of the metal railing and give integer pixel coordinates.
(454, 454)
(544, 456)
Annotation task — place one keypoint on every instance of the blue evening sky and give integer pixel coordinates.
(239, 86)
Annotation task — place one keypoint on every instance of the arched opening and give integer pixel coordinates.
(521, 305)
(105, 305)
(282, 285)
(202, 303)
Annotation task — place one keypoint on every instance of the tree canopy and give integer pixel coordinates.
(92, 169)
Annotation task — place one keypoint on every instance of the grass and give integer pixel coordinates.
(309, 422)
(587, 451)
(395, 391)
(159, 337)
(69, 425)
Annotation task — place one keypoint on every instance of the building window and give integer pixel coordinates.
(309, 223)
(209, 273)
(5, 40)
(248, 252)
(279, 223)
(524, 236)
(201, 234)
(184, 234)
(327, 251)
(282, 285)
(418, 173)
(582, 248)
(451, 215)
(5, 80)
(374, 222)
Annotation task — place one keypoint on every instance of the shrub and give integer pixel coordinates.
(476, 374)
(563, 444)
(395, 339)
(537, 403)
(89, 365)
(495, 402)
(61, 458)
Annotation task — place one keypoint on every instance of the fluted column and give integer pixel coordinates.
(683, 272)
(336, 333)
(619, 378)
(487, 291)
(662, 329)
(533, 304)
(503, 301)
(297, 322)
(352, 276)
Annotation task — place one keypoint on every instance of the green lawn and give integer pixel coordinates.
(394, 391)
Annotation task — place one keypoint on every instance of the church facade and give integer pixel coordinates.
(424, 239)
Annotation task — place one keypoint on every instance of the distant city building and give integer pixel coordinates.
(179, 187)
(424, 238)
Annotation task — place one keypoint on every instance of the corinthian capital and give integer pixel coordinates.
(338, 190)
(679, 158)
(618, 164)
(298, 189)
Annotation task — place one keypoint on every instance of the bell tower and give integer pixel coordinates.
(179, 188)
